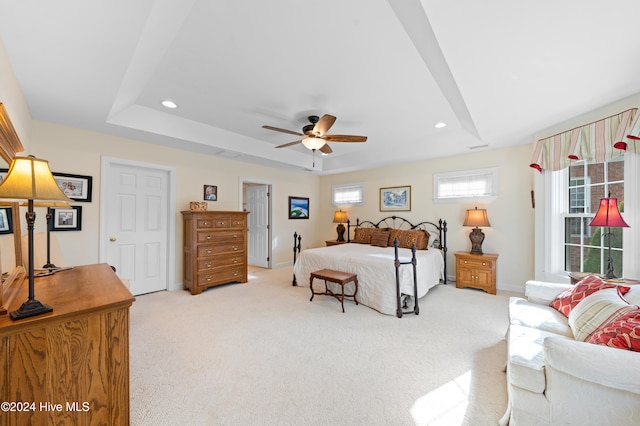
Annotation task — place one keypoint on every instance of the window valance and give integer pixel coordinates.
(596, 142)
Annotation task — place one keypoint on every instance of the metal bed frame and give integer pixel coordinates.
(395, 222)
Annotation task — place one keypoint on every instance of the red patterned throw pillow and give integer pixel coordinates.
(621, 331)
(568, 299)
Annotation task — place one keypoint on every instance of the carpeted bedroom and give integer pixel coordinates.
(261, 353)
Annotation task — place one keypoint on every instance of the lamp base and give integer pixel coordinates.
(30, 308)
(340, 230)
(477, 237)
(49, 266)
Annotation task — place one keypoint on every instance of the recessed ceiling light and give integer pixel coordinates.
(169, 104)
(440, 125)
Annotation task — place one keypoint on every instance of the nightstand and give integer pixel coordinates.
(334, 242)
(476, 271)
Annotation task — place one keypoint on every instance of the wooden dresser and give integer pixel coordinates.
(476, 271)
(70, 366)
(215, 249)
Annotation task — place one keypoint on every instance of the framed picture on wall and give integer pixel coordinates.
(210, 193)
(395, 199)
(66, 219)
(6, 221)
(76, 187)
(298, 208)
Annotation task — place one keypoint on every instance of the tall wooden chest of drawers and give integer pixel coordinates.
(215, 249)
(476, 271)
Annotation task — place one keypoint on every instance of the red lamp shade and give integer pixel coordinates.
(608, 215)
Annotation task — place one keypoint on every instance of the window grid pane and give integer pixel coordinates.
(586, 248)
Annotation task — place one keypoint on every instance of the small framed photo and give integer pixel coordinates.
(66, 219)
(6, 221)
(76, 187)
(210, 193)
(395, 199)
(298, 208)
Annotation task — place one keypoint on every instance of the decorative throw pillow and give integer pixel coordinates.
(568, 299)
(622, 331)
(407, 238)
(594, 310)
(393, 234)
(362, 235)
(380, 239)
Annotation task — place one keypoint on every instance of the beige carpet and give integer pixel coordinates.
(261, 354)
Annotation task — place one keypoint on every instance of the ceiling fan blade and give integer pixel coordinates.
(291, 132)
(326, 149)
(324, 124)
(344, 138)
(289, 144)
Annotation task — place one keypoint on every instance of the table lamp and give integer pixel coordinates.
(30, 179)
(49, 205)
(476, 217)
(608, 215)
(340, 217)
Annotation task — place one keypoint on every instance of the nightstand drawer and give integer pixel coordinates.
(475, 263)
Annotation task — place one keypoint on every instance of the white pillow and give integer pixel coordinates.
(594, 310)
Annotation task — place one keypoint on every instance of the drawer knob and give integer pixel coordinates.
(208, 237)
(235, 235)
(208, 265)
(208, 278)
(235, 260)
(484, 264)
(465, 261)
(205, 223)
(209, 251)
(235, 247)
(221, 223)
(235, 273)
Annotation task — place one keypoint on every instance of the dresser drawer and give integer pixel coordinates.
(214, 249)
(204, 223)
(226, 275)
(238, 221)
(474, 263)
(220, 261)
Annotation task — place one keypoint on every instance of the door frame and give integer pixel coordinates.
(242, 181)
(106, 168)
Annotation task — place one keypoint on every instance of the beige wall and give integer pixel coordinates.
(511, 215)
(76, 151)
(13, 100)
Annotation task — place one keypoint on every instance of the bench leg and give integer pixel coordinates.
(311, 285)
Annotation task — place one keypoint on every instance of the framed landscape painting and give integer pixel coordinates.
(298, 208)
(395, 199)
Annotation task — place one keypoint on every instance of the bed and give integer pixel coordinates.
(389, 276)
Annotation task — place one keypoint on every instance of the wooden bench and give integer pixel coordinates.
(337, 277)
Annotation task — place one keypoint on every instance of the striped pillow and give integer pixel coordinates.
(595, 310)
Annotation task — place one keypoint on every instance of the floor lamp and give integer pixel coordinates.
(609, 216)
(30, 179)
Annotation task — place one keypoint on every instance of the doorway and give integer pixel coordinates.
(137, 223)
(256, 199)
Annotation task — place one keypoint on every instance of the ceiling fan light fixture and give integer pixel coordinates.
(313, 143)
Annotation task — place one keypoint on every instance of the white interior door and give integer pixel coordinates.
(257, 204)
(136, 228)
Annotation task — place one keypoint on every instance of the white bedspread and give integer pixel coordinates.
(375, 270)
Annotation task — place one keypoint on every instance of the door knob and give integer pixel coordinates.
(112, 239)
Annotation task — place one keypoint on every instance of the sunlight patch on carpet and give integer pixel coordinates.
(445, 405)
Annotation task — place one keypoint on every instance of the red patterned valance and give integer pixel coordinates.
(596, 142)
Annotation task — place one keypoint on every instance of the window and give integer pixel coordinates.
(348, 195)
(469, 185)
(585, 247)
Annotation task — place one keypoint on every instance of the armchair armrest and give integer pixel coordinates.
(542, 292)
(612, 367)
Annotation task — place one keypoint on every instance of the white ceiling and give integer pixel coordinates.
(495, 71)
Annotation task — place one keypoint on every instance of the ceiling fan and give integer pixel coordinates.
(314, 135)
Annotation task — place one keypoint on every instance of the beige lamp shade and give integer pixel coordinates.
(30, 178)
(340, 217)
(476, 217)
